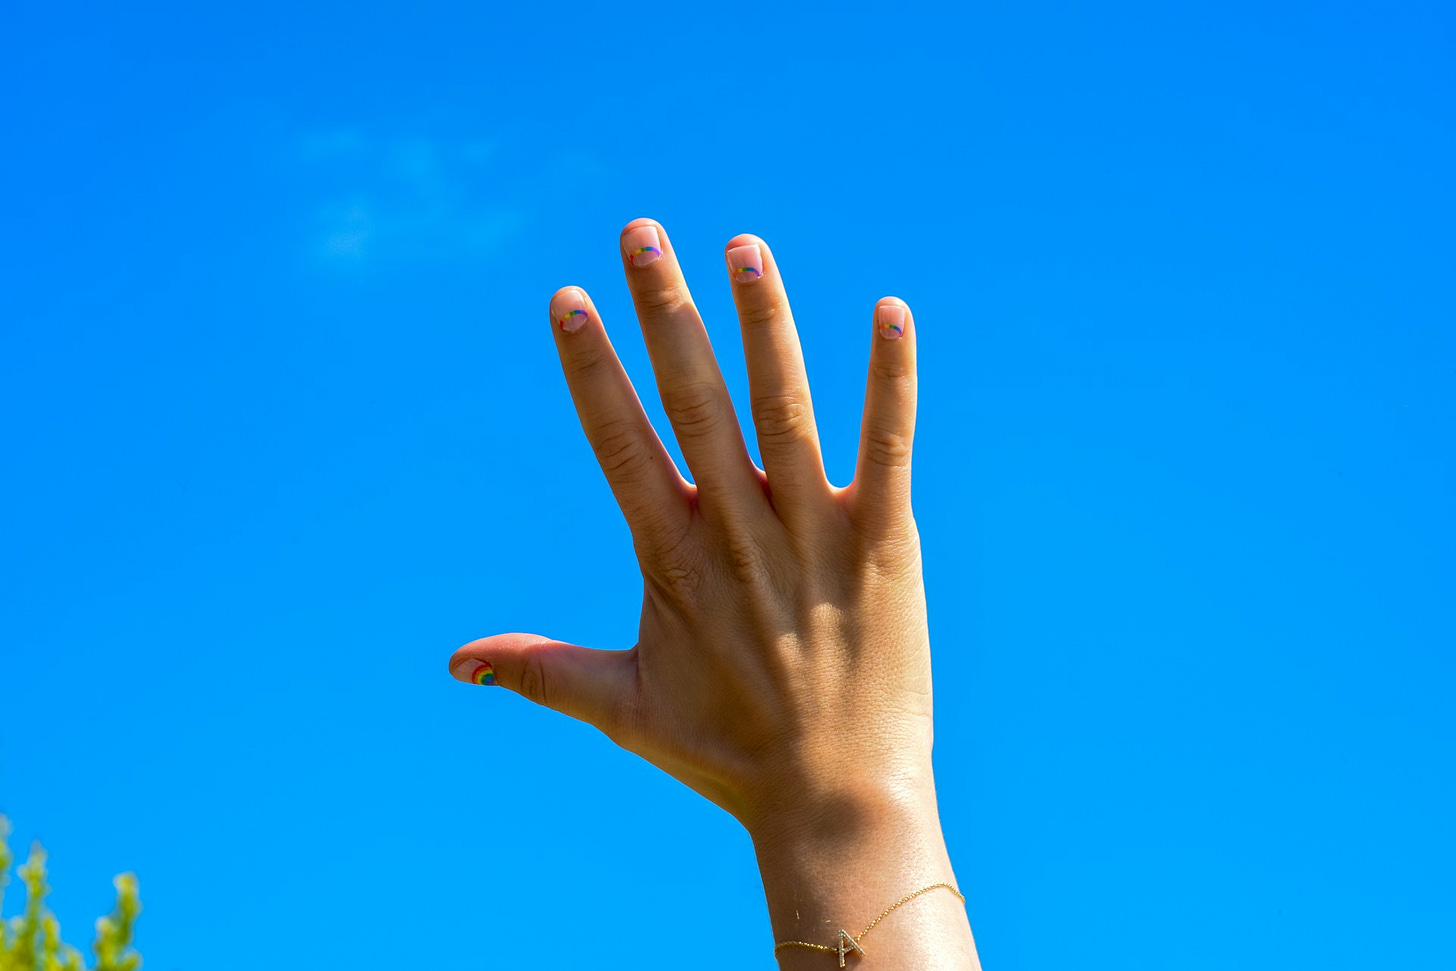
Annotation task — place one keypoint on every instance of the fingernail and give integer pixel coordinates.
(745, 263)
(476, 672)
(891, 320)
(569, 310)
(643, 245)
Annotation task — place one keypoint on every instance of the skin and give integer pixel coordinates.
(782, 666)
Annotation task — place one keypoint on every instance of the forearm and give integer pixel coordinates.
(839, 860)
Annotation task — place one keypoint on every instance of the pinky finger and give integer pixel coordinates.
(879, 497)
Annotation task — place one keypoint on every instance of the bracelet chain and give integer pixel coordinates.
(852, 943)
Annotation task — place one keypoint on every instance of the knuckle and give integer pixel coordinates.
(898, 373)
(663, 298)
(683, 582)
(586, 360)
(759, 314)
(894, 557)
(533, 679)
(780, 418)
(887, 448)
(620, 450)
(626, 721)
(748, 562)
(692, 408)
(621, 725)
(679, 573)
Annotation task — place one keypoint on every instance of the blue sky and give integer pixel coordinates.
(285, 427)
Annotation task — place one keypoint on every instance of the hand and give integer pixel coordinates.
(782, 667)
(782, 663)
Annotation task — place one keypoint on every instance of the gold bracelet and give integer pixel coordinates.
(847, 943)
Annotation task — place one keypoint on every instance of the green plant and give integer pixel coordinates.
(31, 941)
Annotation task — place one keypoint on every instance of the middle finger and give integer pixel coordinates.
(693, 393)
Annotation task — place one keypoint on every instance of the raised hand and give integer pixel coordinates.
(782, 664)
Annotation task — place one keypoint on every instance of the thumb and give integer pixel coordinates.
(590, 685)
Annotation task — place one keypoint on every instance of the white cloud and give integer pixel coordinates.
(374, 198)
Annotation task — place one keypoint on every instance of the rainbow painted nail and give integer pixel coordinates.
(643, 245)
(891, 320)
(569, 310)
(485, 674)
(745, 263)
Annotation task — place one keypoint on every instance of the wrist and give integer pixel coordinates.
(830, 782)
(808, 820)
(839, 858)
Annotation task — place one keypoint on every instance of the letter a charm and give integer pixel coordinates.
(847, 944)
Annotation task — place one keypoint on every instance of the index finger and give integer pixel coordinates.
(652, 494)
